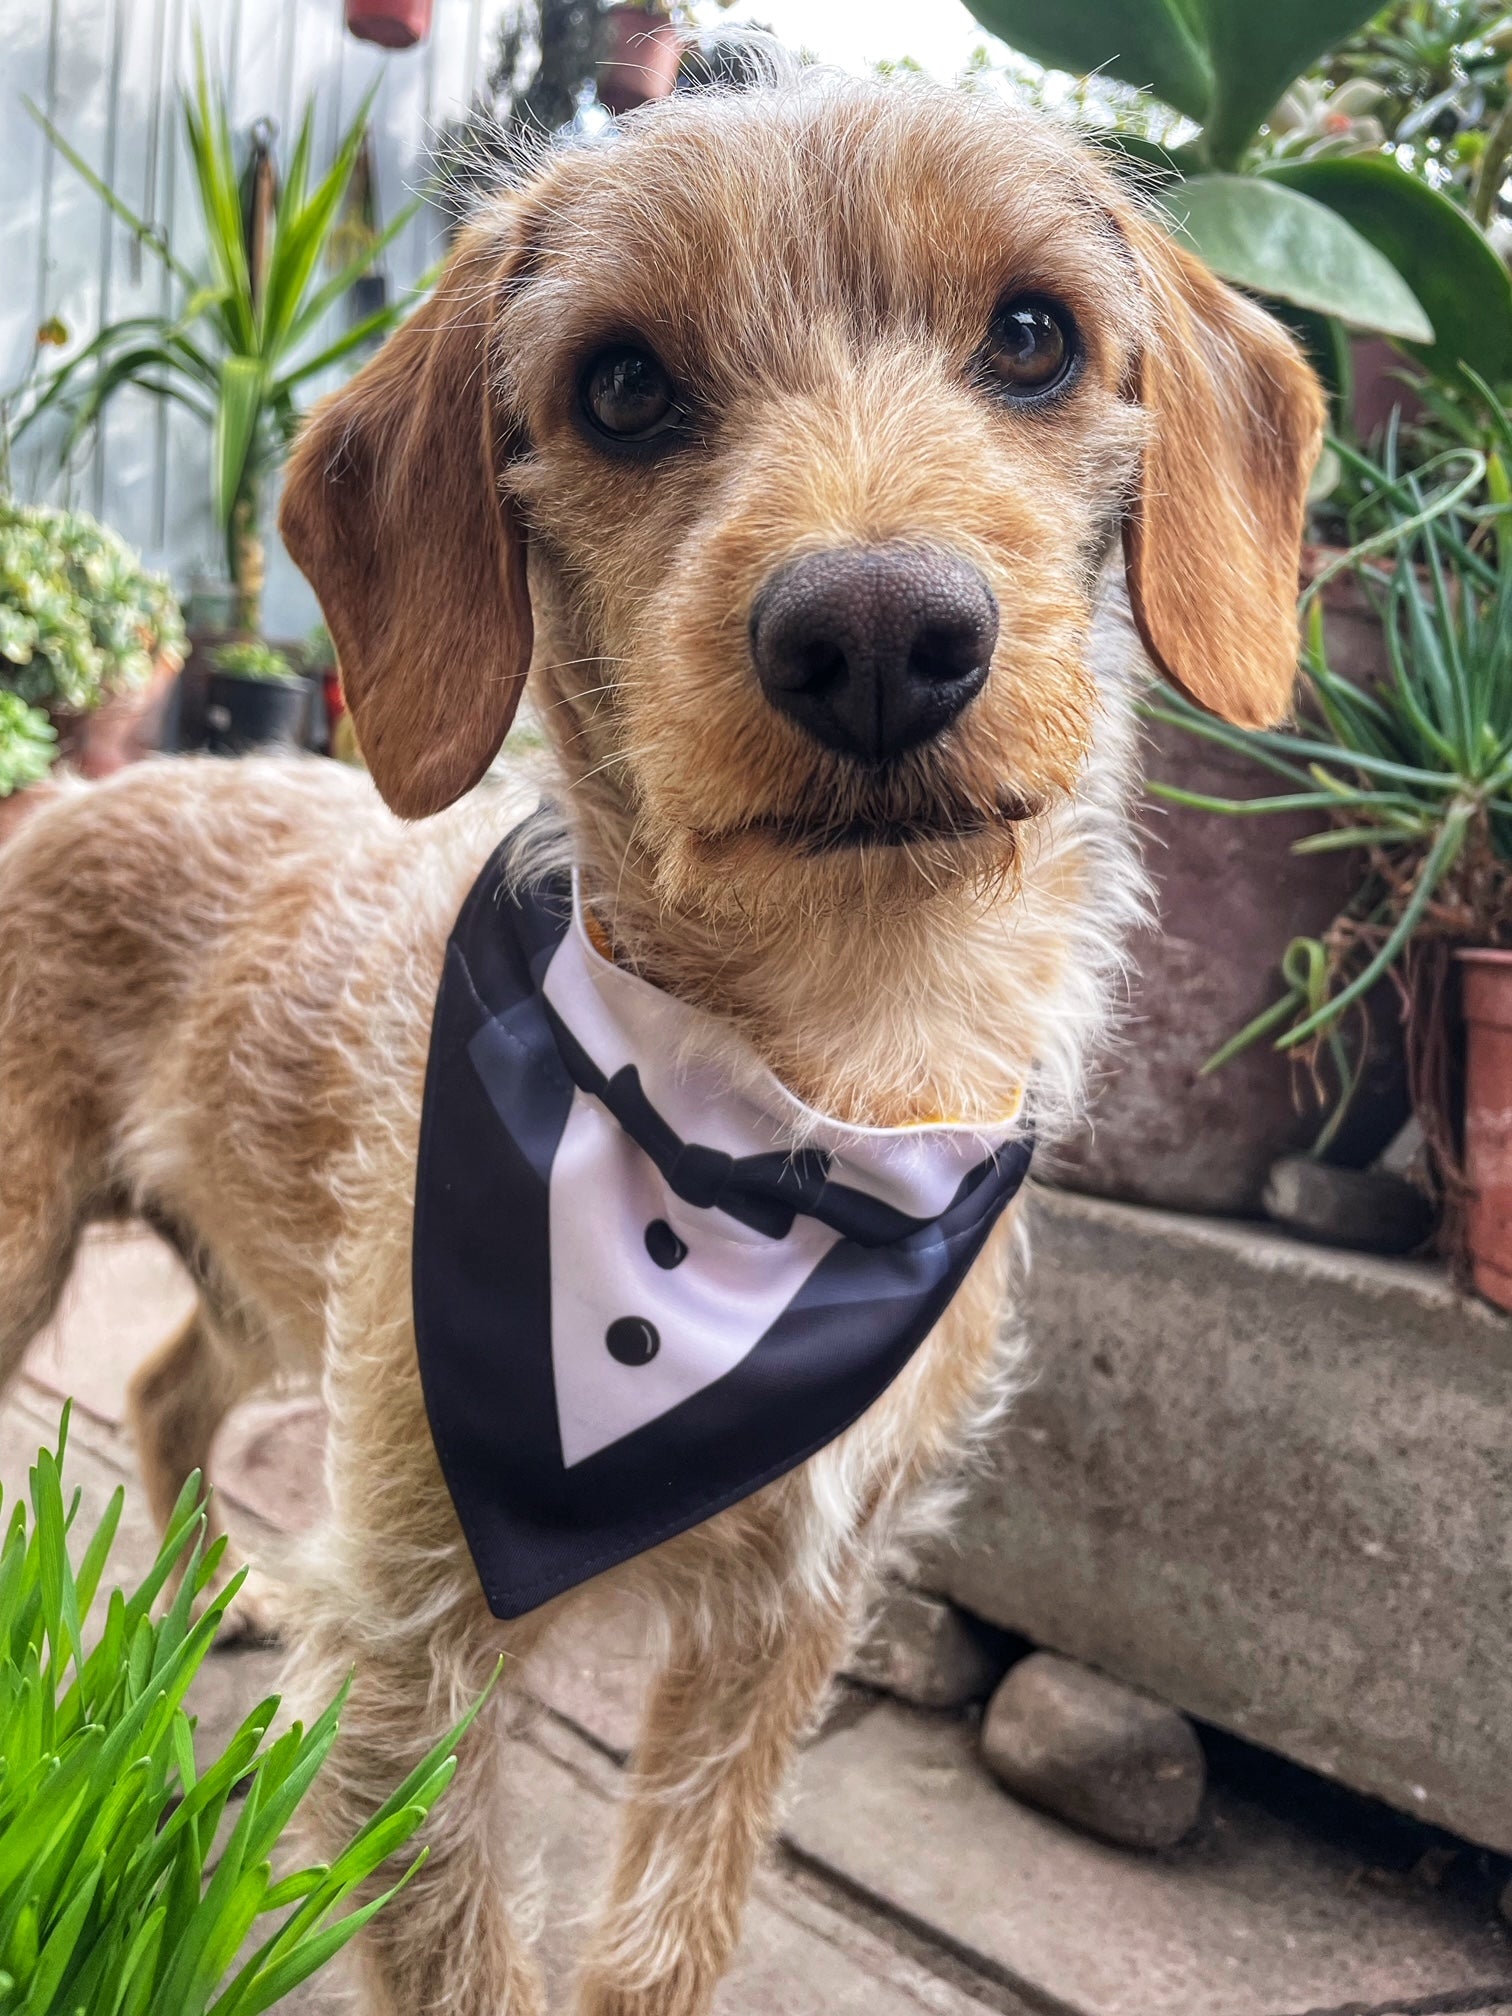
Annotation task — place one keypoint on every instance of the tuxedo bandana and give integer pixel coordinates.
(635, 1301)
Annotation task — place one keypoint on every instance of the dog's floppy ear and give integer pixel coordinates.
(1213, 538)
(393, 509)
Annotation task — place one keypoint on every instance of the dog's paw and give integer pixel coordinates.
(255, 1617)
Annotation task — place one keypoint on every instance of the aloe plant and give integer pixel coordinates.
(125, 1889)
(1415, 776)
(241, 346)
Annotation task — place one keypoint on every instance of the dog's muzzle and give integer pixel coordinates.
(874, 649)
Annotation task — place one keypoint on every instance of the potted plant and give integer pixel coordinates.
(642, 50)
(254, 698)
(1273, 111)
(86, 634)
(245, 337)
(134, 1873)
(28, 750)
(1414, 780)
(1352, 238)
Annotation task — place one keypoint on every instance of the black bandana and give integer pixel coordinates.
(636, 1302)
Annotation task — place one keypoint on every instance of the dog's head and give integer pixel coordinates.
(790, 434)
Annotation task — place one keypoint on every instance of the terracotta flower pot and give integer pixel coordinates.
(1488, 1120)
(392, 24)
(1381, 375)
(1230, 894)
(641, 58)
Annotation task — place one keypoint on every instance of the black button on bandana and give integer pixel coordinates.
(597, 1382)
(632, 1340)
(663, 1244)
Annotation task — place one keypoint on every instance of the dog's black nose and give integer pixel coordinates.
(874, 649)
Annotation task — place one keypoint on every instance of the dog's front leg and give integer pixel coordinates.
(449, 1943)
(724, 1718)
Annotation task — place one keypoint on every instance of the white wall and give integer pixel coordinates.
(106, 72)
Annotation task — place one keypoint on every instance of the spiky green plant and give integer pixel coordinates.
(241, 347)
(125, 1887)
(1415, 776)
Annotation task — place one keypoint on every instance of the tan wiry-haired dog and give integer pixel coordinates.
(798, 443)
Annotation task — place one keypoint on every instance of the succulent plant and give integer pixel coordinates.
(80, 617)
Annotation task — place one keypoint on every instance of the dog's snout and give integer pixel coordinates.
(874, 649)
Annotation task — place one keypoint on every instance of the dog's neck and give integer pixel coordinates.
(945, 1008)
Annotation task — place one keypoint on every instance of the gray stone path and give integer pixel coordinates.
(905, 1882)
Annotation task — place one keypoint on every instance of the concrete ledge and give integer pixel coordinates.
(1273, 1485)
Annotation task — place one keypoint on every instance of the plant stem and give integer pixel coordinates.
(246, 558)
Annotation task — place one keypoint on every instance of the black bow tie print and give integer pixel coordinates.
(765, 1192)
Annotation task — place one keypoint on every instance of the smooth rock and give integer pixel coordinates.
(921, 1649)
(1368, 1210)
(1094, 1752)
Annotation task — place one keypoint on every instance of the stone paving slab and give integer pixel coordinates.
(1255, 1918)
(800, 1956)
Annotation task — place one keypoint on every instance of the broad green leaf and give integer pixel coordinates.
(1149, 43)
(1255, 49)
(1147, 161)
(1275, 240)
(236, 415)
(1440, 252)
(1224, 63)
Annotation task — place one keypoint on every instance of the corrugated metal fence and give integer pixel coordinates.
(107, 73)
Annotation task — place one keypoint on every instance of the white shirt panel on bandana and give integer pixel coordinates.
(631, 1339)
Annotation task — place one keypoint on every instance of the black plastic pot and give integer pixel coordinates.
(243, 714)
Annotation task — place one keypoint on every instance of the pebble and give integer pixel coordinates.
(1094, 1752)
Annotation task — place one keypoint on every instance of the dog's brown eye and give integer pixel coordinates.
(1031, 346)
(627, 394)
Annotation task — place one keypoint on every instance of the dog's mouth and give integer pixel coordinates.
(849, 827)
